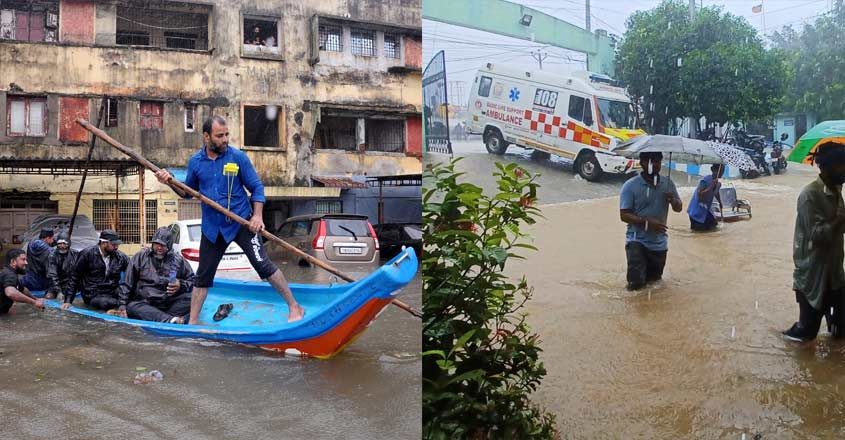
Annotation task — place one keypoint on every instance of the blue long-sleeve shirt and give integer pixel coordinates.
(206, 176)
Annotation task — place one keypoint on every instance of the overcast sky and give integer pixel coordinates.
(467, 49)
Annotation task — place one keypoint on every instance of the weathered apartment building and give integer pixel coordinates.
(324, 96)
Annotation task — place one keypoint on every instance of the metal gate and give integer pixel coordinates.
(17, 215)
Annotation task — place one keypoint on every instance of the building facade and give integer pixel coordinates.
(312, 91)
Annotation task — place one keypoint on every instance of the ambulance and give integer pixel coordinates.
(579, 117)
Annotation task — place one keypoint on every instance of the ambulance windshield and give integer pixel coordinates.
(616, 114)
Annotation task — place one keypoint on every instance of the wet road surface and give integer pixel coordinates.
(559, 183)
(65, 376)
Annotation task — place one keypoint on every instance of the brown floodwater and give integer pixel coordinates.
(64, 376)
(699, 355)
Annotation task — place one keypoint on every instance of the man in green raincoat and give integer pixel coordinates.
(818, 253)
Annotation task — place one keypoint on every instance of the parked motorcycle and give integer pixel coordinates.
(753, 146)
(775, 156)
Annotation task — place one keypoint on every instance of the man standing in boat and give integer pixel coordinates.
(224, 174)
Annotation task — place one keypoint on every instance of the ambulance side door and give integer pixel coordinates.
(580, 110)
(483, 86)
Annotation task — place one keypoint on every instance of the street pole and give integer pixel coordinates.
(539, 56)
(691, 10)
(588, 15)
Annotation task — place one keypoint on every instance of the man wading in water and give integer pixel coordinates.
(644, 206)
(818, 278)
(223, 173)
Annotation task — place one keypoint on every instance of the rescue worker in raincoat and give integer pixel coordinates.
(99, 270)
(60, 267)
(37, 253)
(158, 283)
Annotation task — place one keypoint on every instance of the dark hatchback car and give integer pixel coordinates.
(84, 233)
(392, 236)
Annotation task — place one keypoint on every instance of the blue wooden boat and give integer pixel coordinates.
(334, 314)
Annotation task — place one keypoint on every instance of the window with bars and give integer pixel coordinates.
(151, 115)
(133, 38)
(111, 112)
(363, 42)
(124, 217)
(336, 133)
(331, 38)
(139, 26)
(27, 116)
(386, 135)
(190, 209)
(329, 206)
(391, 46)
(180, 40)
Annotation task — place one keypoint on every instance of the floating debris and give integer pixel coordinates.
(146, 378)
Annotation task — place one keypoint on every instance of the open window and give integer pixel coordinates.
(27, 116)
(190, 117)
(337, 133)
(261, 126)
(261, 37)
(111, 112)
(345, 130)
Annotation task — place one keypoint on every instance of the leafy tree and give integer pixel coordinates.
(714, 66)
(814, 59)
(647, 62)
(480, 360)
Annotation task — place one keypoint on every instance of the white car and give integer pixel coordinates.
(186, 241)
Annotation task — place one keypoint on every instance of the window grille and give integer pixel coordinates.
(124, 217)
(331, 38)
(363, 42)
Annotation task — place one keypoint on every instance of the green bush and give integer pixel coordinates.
(480, 360)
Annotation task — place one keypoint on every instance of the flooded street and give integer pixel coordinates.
(66, 376)
(700, 354)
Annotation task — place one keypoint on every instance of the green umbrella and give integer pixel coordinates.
(823, 132)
